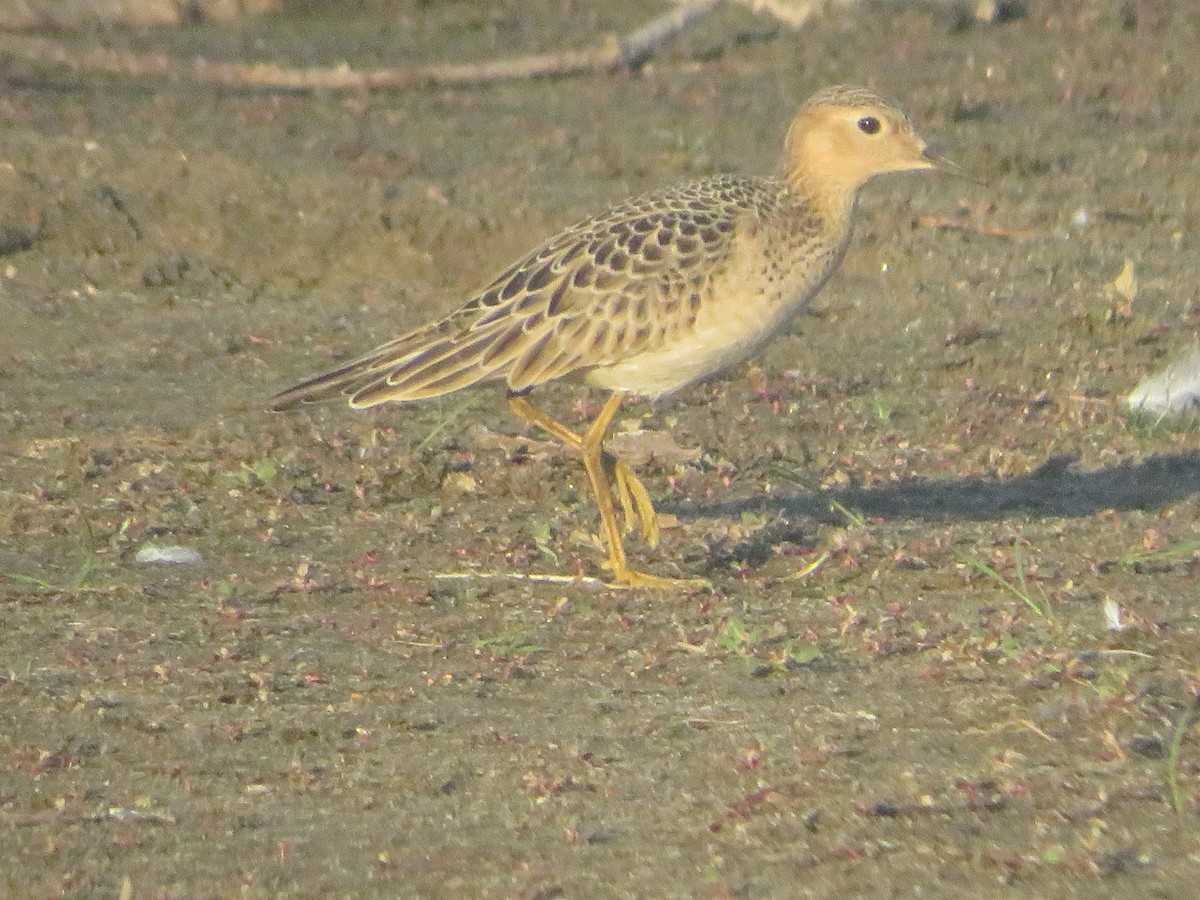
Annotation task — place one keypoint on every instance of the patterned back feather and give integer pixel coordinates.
(612, 286)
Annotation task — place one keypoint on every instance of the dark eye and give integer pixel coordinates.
(869, 125)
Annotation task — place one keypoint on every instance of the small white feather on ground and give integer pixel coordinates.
(1175, 391)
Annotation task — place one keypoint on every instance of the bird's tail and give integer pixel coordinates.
(433, 360)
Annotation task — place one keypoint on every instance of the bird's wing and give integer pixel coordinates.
(608, 288)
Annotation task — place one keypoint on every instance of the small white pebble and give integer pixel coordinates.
(1082, 218)
(1112, 615)
(153, 554)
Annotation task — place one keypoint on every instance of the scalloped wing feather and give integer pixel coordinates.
(611, 286)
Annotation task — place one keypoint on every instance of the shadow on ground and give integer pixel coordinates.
(1053, 490)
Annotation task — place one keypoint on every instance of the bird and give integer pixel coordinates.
(659, 292)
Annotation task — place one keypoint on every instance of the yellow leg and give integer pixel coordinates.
(634, 499)
(636, 505)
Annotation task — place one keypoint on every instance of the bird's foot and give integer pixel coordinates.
(625, 577)
(636, 505)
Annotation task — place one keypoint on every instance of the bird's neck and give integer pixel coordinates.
(832, 203)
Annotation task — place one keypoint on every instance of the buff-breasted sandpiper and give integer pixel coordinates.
(655, 294)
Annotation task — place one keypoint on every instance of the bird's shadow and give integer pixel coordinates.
(1053, 490)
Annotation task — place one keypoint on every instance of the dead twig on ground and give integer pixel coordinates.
(615, 53)
(952, 223)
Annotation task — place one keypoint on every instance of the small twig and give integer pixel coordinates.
(639, 46)
(519, 576)
(1032, 726)
(613, 54)
(951, 223)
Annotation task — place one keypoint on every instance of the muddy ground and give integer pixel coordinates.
(987, 685)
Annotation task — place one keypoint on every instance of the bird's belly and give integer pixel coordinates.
(726, 334)
(761, 289)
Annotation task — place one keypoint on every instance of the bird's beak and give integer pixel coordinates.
(948, 167)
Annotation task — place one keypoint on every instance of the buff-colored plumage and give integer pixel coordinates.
(657, 293)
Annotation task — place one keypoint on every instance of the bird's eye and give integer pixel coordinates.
(869, 125)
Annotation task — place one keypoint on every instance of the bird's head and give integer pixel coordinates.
(843, 137)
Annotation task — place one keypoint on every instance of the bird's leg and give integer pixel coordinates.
(636, 505)
(635, 499)
(592, 450)
(591, 447)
